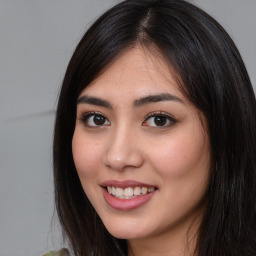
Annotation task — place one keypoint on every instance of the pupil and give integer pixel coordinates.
(99, 120)
(160, 120)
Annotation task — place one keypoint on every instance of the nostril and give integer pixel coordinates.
(122, 159)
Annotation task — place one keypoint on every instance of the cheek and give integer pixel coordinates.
(184, 155)
(87, 155)
(183, 165)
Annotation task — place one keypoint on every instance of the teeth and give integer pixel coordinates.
(119, 192)
(150, 190)
(113, 191)
(144, 190)
(136, 191)
(129, 192)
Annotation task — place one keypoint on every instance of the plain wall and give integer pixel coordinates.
(37, 39)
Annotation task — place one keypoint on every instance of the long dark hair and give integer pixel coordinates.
(214, 79)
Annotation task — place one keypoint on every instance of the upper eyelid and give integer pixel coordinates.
(84, 117)
(87, 113)
(149, 115)
(158, 113)
(169, 117)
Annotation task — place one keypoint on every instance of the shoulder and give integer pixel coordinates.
(62, 252)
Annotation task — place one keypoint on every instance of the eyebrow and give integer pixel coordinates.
(94, 101)
(156, 98)
(137, 103)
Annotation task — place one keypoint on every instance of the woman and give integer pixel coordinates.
(155, 137)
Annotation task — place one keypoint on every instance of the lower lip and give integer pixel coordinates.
(126, 204)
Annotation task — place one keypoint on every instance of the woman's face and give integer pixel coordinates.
(141, 149)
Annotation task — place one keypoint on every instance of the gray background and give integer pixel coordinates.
(36, 41)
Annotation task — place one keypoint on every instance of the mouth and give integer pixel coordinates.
(127, 195)
(129, 192)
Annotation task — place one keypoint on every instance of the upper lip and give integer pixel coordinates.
(125, 184)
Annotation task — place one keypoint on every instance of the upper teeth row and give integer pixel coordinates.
(128, 192)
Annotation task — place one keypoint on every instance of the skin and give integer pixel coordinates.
(174, 157)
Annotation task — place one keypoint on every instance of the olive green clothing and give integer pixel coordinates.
(62, 252)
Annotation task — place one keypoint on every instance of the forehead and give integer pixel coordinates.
(136, 72)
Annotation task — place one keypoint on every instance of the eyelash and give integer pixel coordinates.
(168, 117)
(85, 117)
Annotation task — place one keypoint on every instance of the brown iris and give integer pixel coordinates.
(99, 120)
(160, 120)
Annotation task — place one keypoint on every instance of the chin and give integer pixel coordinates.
(124, 234)
(126, 231)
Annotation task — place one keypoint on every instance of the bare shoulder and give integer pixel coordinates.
(62, 252)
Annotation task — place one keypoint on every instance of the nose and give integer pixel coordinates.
(123, 150)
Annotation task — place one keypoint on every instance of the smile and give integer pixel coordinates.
(127, 195)
(129, 192)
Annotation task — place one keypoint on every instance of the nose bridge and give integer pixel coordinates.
(122, 150)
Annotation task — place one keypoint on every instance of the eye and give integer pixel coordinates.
(159, 120)
(94, 120)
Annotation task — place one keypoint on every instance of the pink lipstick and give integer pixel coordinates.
(127, 195)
